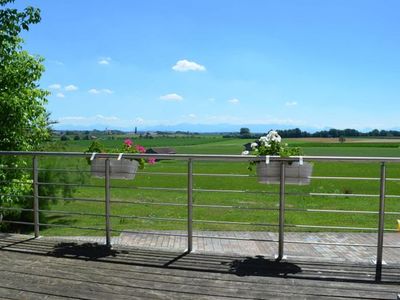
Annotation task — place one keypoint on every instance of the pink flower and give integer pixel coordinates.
(140, 149)
(128, 143)
(151, 161)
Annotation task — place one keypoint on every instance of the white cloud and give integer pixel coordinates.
(111, 118)
(60, 95)
(171, 97)
(55, 86)
(186, 65)
(68, 88)
(192, 116)
(107, 91)
(291, 103)
(93, 91)
(234, 101)
(98, 120)
(100, 91)
(71, 88)
(104, 61)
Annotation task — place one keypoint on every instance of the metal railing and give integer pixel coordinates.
(191, 205)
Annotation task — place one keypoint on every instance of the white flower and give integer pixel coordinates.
(253, 145)
(245, 152)
(264, 139)
(276, 139)
(272, 132)
(273, 136)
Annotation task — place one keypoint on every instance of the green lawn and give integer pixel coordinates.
(112, 144)
(247, 195)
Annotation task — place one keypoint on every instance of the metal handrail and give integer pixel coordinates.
(189, 189)
(208, 157)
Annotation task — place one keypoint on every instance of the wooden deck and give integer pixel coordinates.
(329, 246)
(56, 269)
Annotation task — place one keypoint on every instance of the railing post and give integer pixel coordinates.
(107, 200)
(381, 226)
(35, 175)
(190, 207)
(281, 212)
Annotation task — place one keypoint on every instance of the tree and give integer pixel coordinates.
(244, 131)
(333, 133)
(23, 117)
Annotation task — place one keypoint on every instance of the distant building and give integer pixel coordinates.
(161, 150)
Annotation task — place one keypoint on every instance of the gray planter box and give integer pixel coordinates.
(119, 169)
(294, 173)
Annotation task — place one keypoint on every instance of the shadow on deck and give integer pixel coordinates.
(34, 268)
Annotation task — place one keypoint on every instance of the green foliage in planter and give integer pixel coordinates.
(271, 144)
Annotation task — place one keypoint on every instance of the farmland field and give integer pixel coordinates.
(241, 199)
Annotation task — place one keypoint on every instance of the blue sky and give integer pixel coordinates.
(313, 64)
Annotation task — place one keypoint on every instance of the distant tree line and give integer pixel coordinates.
(336, 133)
(245, 133)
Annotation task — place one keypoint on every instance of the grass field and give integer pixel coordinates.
(250, 199)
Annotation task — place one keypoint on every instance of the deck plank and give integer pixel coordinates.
(40, 268)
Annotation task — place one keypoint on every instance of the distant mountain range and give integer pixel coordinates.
(208, 128)
(202, 128)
